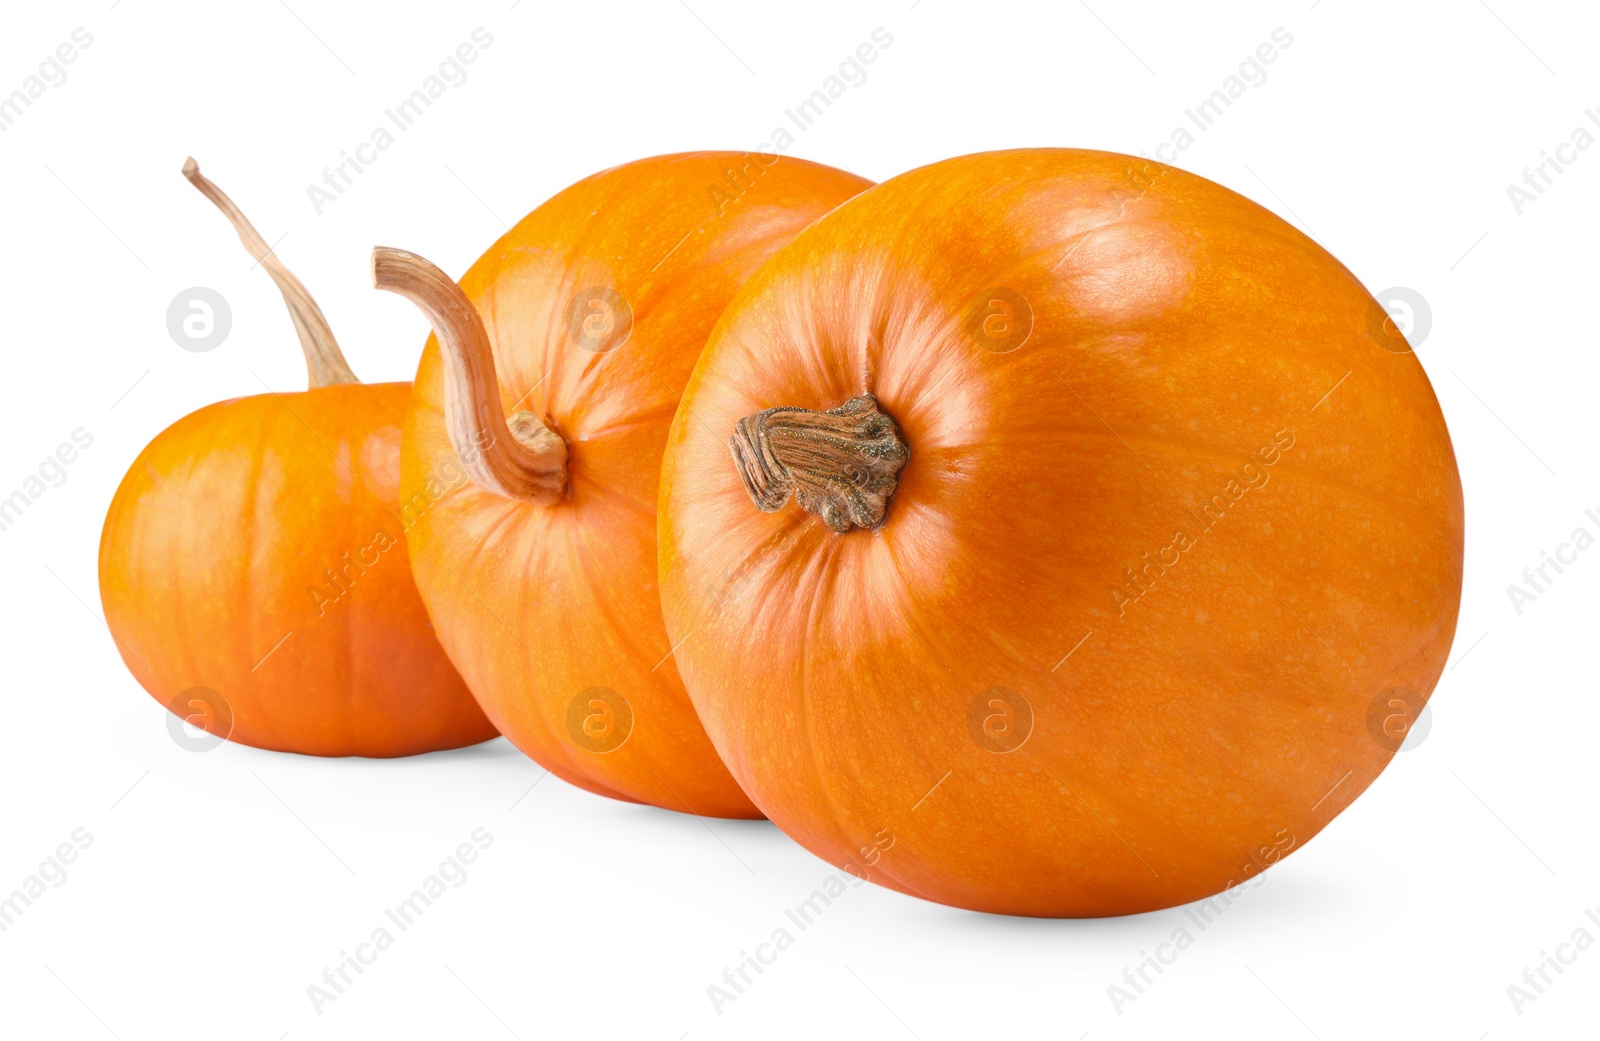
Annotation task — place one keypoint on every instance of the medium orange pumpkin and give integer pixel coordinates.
(540, 569)
(1087, 537)
(253, 565)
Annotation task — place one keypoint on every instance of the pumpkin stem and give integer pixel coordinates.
(521, 459)
(842, 465)
(324, 361)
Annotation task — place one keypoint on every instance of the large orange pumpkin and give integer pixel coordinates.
(582, 324)
(253, 565)
(1052, 532)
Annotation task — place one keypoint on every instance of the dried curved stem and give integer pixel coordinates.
(842, 465)
(521, 459)
(325, 363)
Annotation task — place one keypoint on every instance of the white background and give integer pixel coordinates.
(219, 885)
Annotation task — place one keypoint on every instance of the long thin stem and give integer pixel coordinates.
(521, 459)
(325, 363)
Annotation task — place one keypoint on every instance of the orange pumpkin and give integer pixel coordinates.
(253, 565)
(539, 566)
(1053, 532)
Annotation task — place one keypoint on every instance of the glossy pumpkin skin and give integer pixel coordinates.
(552, 612)
(255, 550)
(969, 704)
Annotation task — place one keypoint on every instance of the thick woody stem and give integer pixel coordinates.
(522, 459)
(842, 465)
(324, 361)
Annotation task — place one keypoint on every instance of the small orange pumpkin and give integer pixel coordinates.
(1053, 532)
(253, 565)
(540, 570)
